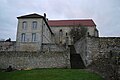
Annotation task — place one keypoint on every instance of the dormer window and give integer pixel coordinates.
(24, 25)
(34, 25)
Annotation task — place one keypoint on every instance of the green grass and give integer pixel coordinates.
(50, 74)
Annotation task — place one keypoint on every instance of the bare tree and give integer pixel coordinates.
(77, 32)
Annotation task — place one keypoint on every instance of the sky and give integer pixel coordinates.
(105, 14)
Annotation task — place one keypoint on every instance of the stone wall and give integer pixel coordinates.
(32, 46)
(23, 60)
(65, 33)
(108, 44)
(102, 45)
(46, 34)
(52, 47)
(80, 47)
(107, 63)
(7, 46)
(90, 47)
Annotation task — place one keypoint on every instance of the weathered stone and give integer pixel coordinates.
(23, 60)
(90, 47)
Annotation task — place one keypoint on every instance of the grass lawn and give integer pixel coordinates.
(50, 74)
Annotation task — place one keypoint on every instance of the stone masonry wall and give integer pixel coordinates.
(90, 47)
(7, 46)
(107, 63)
(103, 46)
(23, 60)
(80, 47)
(108, 44)
(52, 47)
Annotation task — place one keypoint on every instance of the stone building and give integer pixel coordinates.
(62, 28)
(32, 31)
(37, 36)
(36, 33)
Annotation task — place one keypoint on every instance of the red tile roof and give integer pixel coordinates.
(85, 22)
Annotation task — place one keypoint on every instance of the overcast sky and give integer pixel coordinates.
(105, 13)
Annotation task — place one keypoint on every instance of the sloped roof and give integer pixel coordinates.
(34, 15)
(85, 22)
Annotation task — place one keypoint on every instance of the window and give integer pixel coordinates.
(60, 35)
(34, 25)
(67, 39)
(23, 37)
(33, 37)
(66, 34)
(24, 25)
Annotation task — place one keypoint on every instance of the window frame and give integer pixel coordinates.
(34, 25)
(24, 25)
(23, 36)
(34, 37)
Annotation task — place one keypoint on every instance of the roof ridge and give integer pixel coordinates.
(72, 20)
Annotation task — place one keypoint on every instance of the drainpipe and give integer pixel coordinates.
(42, 37)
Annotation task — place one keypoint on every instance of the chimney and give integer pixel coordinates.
(45, 15)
